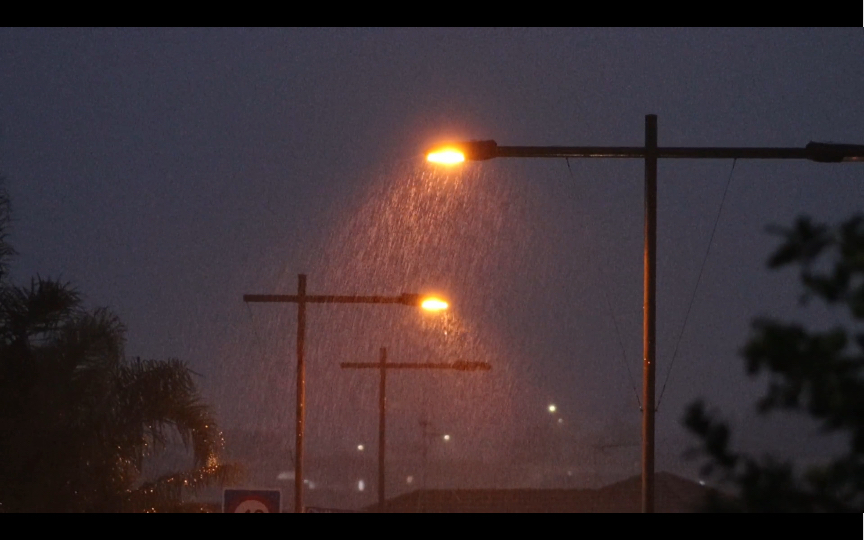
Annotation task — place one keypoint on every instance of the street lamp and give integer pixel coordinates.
(382, 365)
(301, 299)
(457, 153)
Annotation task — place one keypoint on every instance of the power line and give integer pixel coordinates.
(696, 287)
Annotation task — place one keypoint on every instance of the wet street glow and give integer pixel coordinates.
(445, 156)
(434, 304)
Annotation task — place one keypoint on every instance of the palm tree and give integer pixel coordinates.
(77, 419)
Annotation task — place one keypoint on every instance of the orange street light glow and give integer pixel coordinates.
(446, 156)
(434, 304)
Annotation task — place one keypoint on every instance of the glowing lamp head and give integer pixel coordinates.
(454, 154)
(434, 304)
(446, 156)
(428, 303)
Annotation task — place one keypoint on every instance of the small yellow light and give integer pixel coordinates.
(434, 304)
(446, 156)
(552, 409)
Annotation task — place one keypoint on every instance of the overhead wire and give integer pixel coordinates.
(696, 287)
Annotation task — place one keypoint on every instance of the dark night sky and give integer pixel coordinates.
(168, 172)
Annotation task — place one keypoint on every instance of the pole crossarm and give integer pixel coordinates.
(641, 153)
(814, 151)
(405, 299)
(457, 366)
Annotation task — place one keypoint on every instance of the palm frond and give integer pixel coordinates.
(166, 494)
(78, 419)
(31, 314)
(155, 398)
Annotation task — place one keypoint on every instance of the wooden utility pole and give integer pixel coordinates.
(383, 366)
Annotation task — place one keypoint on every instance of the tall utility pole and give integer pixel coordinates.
(382, 367)
(649, 313)
(456, 153)
(301, 299)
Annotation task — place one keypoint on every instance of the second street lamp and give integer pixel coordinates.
(453, 154)
(301, 299)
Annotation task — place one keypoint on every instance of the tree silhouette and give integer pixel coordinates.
(6, 250)
(77, 419)
(816, 373)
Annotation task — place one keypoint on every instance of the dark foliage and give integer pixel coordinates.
(816, 373)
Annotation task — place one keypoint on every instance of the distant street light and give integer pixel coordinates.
(301, 299)
(433, 304)
(456, 153)
(382, 365)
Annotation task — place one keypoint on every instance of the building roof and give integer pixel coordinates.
(673, 494)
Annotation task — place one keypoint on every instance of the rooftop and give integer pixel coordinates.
(673, 494)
